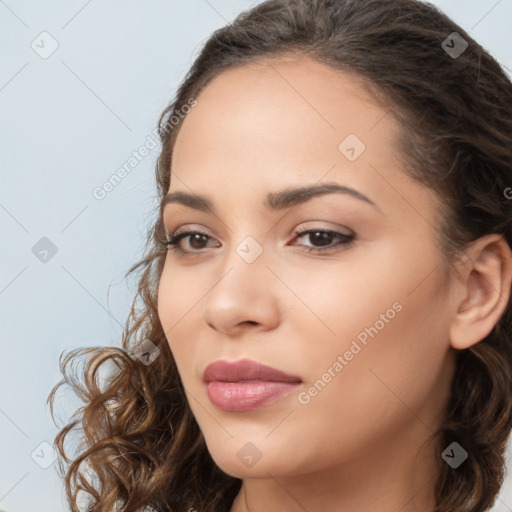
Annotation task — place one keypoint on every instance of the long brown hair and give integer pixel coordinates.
(141, 447)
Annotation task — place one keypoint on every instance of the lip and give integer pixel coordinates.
(244, 385)
(244, 370)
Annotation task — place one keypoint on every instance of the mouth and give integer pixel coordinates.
(245, 385)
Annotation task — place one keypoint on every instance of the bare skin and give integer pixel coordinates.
(357, 443)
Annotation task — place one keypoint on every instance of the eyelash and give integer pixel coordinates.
(344, 240)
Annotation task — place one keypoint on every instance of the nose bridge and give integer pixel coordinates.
(243, 291)
(246, 260)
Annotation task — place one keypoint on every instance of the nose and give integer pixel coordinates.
(245, 296)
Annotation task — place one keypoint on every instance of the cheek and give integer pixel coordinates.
(385, 364)
(388, 315)
(176, 299)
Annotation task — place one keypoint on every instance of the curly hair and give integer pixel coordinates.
(141, 448)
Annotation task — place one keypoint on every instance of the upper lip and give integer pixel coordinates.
(244, 370)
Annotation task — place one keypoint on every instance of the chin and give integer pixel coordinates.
(243, 459)
(233, 467)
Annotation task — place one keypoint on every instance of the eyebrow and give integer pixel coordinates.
(274, 201)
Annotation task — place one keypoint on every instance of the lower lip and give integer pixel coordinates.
(248, 395)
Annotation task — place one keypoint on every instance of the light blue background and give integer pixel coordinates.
(67, 124)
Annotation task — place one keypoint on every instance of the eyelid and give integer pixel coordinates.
(186, 227)
(313, 225)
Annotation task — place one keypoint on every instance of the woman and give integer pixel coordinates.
(326, 318)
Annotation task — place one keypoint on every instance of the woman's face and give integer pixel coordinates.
(363, 326)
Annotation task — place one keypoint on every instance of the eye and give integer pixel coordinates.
(196, 239)
(325, 238)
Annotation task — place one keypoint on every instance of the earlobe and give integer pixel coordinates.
(486, 288)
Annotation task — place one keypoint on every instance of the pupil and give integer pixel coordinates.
(196, 238)
(322, 235)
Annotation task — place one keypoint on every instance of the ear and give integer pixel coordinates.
(484, 288)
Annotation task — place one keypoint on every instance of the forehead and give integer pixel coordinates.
(283, 108)
(265, 125)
